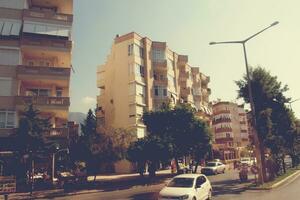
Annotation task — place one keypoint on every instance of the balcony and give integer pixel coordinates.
(43, 71)
(221, 112)
(205, 79)
(184, 75)
(57, 132)
(185, 91)
(48, 15)
(100, 99)
(160, 65)
(43, 101)
(221, 120)
(223, 129)
(46, 42)
(223, 140)
(101, 83)
(161, 82)
(10, 43)
(137, 100)
(182, 59)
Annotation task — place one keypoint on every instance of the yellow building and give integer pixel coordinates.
(35, 61)
(139, 75)
(230, 128)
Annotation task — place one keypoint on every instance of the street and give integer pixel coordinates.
(224, 184)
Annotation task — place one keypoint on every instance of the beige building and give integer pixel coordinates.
(35, 62)
(230, 127)
(141, 74)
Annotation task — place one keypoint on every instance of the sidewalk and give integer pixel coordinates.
(125, 176)
(103, 183)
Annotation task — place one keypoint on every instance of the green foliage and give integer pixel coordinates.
(95, 148)
(275, 122)
(173, 133)
(31, 129)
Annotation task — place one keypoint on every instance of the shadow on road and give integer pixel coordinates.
(144, 196)
(228, 187)
(129, 183)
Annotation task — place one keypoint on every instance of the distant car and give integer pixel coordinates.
(247, 161)
(213, 168)
(188, 187)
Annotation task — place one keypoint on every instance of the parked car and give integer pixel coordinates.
(213, 168)
(188, 187)
(247, 160)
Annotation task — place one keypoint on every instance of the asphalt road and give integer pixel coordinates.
(227, 183)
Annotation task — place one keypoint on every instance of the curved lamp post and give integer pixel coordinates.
(256, 140)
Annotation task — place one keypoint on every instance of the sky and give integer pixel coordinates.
(188, 27)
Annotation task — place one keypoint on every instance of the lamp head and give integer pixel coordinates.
(275, 23)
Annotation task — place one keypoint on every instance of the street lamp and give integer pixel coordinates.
(53, 161)
(256, 140)
(290, 102)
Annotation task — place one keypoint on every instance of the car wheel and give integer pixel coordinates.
(223, 171)
(209, 195)
(194, 198)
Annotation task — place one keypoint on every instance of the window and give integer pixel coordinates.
(171, 80)
(156, 90)
(130, 49)
(158, 55)
(140, 132)
(201, 180)
(160, 91)
(138, 51)
(140, 90)
(38, 92)
(5, 86)
(139, 70)
(165, 93)
(59, 92)
(7, 119)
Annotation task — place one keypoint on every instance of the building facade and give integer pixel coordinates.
(35, 62)
(141, 74)
(230, 128)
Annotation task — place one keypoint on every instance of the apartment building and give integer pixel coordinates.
(35, 62)
(230, 127)
(141, 74)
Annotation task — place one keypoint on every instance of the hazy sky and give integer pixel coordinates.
(188, 26)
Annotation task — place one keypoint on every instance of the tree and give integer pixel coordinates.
(274, 121)
(88, 138)
(30, 139)
(150, 149)
(180, 130)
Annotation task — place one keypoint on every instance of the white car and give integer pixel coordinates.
(188, 187)
(247, 161)
(213, 168)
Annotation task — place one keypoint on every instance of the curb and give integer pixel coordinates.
(294, 175)
(276, 185)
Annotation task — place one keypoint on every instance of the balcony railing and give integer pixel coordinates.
(37, 70)
(221, 112)
(160, 65)
(223, 129)
(57, 132)
(47, 15)
(221, 120)
(43, 100)
(46, 42)
(133, 99)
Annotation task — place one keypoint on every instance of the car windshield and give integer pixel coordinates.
(211, 164)
(245, 159)
(181, 182)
